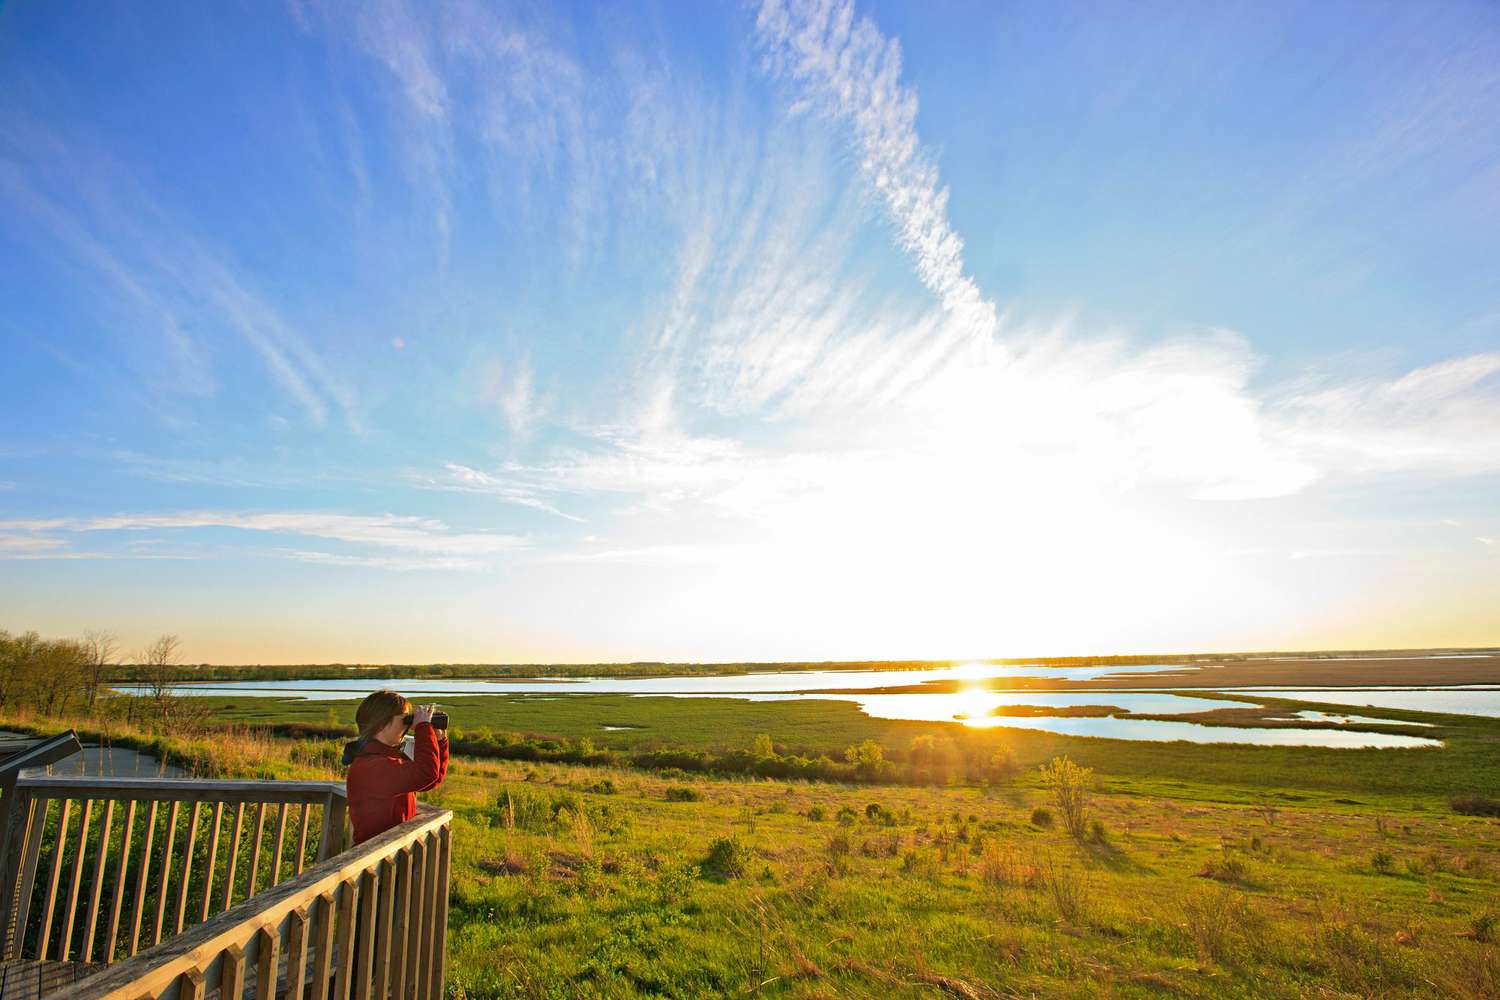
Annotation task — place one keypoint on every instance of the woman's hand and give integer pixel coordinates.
(421, 714)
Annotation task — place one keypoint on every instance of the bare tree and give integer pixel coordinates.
(158, 668)
(101, 647)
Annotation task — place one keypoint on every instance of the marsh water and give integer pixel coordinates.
(974, 707)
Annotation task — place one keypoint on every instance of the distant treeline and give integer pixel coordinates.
(131, 673)
(929, 760)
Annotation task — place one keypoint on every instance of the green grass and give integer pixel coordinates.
(1221, 872)
(1464, 765)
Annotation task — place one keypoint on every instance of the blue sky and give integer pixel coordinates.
(796, 330)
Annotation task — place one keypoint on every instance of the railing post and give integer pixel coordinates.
(15, 828)
(332, 841)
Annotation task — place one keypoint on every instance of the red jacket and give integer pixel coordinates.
(383, 781)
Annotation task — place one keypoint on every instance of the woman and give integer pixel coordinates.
(383, 781)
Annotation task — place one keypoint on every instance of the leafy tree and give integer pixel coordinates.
(1070, 785)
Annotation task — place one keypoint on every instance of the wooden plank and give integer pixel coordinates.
(322, 971)
(302, 836)
(213, 860)
(403, 908)
(141, 877)
(166, 871)
(440, 924)
(190, 985)
(232, 974)
(97, 893)
(234, 853)
(383, 925)
(260, 832)
(280, 836)
(364, 953)
(16, 810)
(332, 841)
(187, 866)
(119, 894)
(49, 904)
(29, 861)
(267, 958)
(413, 915)
(179, 789)
(296, 953)
(155, 971)
(75, 882)
(343, 939)
(430, 934)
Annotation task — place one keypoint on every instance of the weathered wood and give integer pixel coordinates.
(440, 926)
(399, 937)
(322, 973)
(49, 905)
(119, 894)
(166, 871)
(276, 851)
(364, 953)
(343, 938)
(191, 985)
(234, 854)
(383, 933)
(260, 832)
(16, 815)
(213, 859)
(199, 947)
(100, 859)
(430, 933)
(178, 789)
(302, 836)
(332, 841)
(267, 957)
(187, 867)
(75, 883)
(31, 855)
(232, 973)
(296, 953)
(414, 917)
(141, 872)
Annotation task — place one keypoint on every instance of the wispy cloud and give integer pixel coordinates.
(93, 214)
(435, 543)
(463, 479)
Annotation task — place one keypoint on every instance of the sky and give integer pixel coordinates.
(788, 330)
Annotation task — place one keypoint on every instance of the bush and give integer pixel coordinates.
(1070, 784)
(602, 787)
(817, 814)
(1041, 818)
(683, 793)
(1475, 805)
(1382, 863)
(1096, 832)
(846, 816)
(727, 858)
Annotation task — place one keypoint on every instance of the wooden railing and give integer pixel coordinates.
(369, 924)
(98, 868)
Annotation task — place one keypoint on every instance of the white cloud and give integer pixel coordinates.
(437, 545)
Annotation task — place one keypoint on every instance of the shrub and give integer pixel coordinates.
(817, 814)
(1041, 818)
(683, 793)
(526, 808)
(728, 858)
(1382, 863)
(846, 816)
(1070, 785)
(1482, 926)
(1475, 805)
(602, 787)
(1096, 832)
(877, 813)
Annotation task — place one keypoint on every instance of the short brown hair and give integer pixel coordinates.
(378, 709)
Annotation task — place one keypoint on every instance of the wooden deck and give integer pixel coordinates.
(181, 888)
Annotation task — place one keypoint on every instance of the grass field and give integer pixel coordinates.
(1213, 871)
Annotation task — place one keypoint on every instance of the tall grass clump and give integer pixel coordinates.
(1070, 789)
